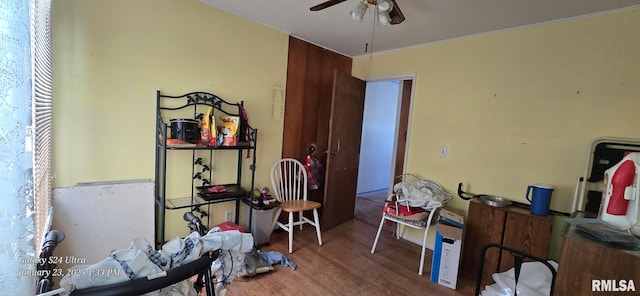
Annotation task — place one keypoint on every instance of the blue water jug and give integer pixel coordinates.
(540, 198)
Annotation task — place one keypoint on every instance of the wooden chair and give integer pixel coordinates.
(289, 184)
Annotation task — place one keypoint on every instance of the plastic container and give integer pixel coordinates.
(261, 220)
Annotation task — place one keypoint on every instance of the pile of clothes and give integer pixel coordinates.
(142, 260)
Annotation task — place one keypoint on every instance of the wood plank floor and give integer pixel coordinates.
(343, 265)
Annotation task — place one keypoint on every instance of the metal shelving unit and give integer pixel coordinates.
(194, 105)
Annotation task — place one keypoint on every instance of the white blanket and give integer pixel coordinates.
(535, 280)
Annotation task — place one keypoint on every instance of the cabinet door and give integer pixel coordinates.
(525, 232)
(310, 72)
(484, 225)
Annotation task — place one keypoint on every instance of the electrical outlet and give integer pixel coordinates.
(227, 216)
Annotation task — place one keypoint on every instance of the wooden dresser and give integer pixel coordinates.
(583, 260)
(513, 227)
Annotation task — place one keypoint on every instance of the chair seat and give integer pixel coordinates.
(419, 224)
(299, 205)
(413, 223)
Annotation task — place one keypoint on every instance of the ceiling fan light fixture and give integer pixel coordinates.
(384, 6)
(358, 12)
(383, 18)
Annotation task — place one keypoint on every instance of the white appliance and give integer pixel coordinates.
(620, 206)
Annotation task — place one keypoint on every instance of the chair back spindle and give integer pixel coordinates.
(289, 180)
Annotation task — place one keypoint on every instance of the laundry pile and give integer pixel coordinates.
(142, 260)
(257, 262)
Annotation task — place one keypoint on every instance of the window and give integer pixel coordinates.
(25, 137)
(41, 106)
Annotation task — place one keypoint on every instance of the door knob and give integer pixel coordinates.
(337, 149)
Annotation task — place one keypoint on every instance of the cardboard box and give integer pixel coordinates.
(447, 249)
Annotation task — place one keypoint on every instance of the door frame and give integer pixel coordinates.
(400, 78)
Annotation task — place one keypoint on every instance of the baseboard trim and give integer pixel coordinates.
(372, 191)
(416, 241)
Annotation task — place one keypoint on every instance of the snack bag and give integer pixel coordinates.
(230, 126)
(205, 131)
(213, 133)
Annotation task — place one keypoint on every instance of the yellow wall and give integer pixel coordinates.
(514, 108)
(519, 107)
(110, 57)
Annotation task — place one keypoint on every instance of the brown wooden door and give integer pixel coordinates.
(343, 155)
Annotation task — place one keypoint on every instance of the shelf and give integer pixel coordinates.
(197, 105)
(240, 146)
(188, 202)
(246, 201)
(236, 147)
(231, 191)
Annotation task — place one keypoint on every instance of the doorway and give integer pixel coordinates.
(382, 152)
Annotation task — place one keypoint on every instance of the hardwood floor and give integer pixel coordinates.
(343, 265)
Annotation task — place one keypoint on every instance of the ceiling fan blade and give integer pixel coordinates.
(326, 4)
(396, 14)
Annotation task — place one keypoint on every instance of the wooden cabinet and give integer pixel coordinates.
(512, 227)
(310, 74)
(583, 260)
(308, 106)
(484, 225)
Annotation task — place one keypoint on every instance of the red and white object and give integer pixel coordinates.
(621, 206)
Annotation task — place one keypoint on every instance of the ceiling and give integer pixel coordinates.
(426, 21)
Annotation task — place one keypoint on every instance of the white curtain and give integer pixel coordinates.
(17, 226)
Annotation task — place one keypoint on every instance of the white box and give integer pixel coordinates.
(447, 249)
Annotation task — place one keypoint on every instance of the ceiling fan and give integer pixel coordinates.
(395, 14)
